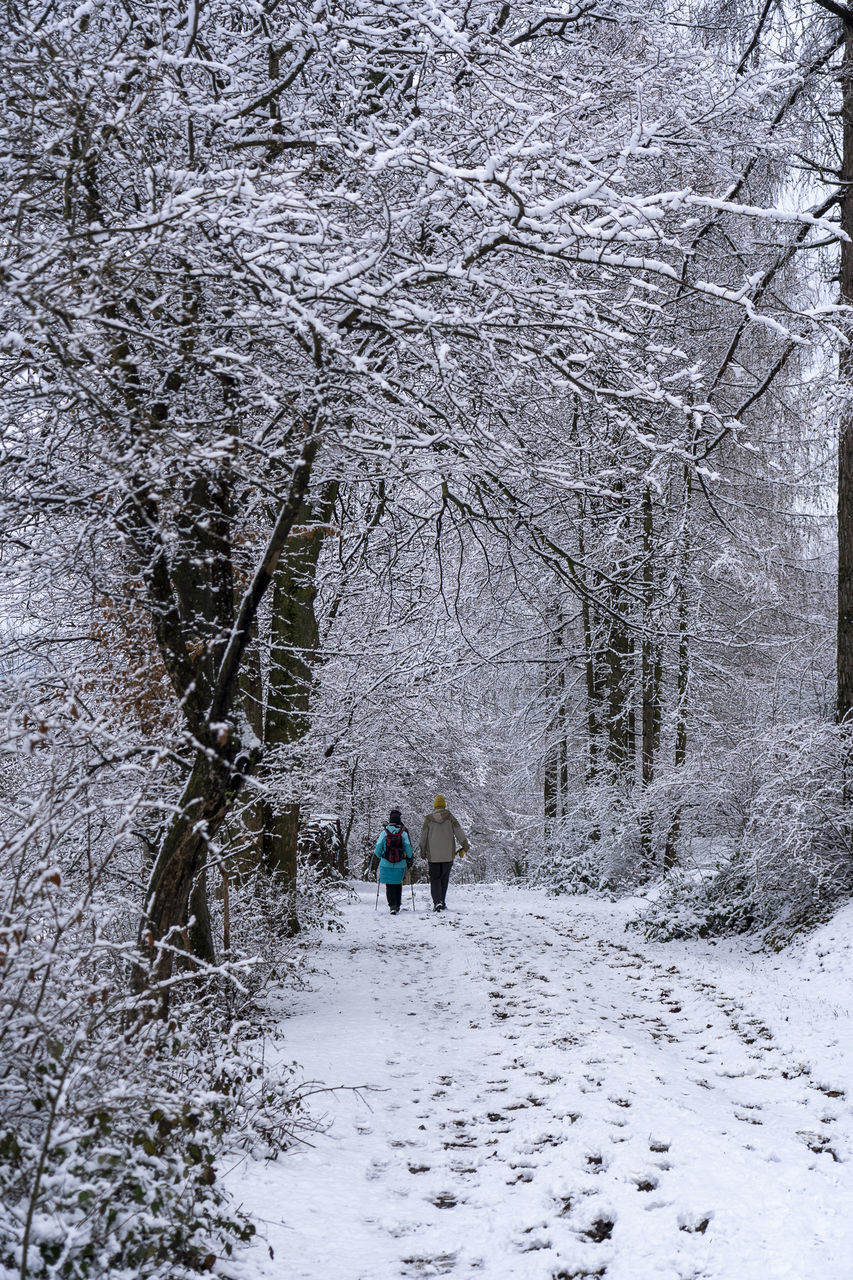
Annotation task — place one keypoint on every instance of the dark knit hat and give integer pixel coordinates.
(395, 816)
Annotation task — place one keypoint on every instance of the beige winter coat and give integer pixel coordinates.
(440, 835)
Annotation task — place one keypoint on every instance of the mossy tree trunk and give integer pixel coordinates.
(203, 639)
(293, 648)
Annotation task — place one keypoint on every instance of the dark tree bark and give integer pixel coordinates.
(592, 694)
(294, 641)
(550, 789)
(180, 861)
(203, 581)
(682, 679)
(621, 728)
(670, 854)
(844, 696)
(618, 654)
(650, 680)
(201, 928)
(591, 676)
(556, 777)
(206, 675)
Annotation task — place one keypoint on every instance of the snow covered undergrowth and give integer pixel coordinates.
(547, 1096)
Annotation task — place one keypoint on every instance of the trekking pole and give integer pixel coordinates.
(412, 887)
(376, 907)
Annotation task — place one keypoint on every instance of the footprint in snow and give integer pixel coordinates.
(438, 1265)
(535, 1243)
(444, 1200)
(579, 1275)
(599, 1230)
(694, 1224)
(818, 1143)
(548, 1140)
(828, 1090)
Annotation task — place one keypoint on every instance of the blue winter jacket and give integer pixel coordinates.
(393, 872)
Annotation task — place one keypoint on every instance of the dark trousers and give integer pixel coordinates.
(439, 878)
(394, 895)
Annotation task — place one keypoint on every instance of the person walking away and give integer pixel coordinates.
(395, 854)
(439, 836)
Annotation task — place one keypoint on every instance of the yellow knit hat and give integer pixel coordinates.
(439, 803)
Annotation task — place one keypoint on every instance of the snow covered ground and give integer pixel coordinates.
(547, 1096)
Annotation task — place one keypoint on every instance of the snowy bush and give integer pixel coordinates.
(782, 800)
(595, 846)
(573, 867)
(107, 1157)
(691, 906)
(110, 1128)
(261, 912)
(796, 848)
(112, 1124)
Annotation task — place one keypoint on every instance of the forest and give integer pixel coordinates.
(397, 397)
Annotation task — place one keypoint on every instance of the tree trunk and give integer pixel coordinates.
(226, 912)
(556, 782)
(670, 855)
(650, 680)
(222, 761)
(844, 694)
(250, 820)
(280, 844)
(201, 929)
(682, 679)
(621, 723)
(593, 695)
(550, 788)
(207, 796)
(561, 722)
(294, 639)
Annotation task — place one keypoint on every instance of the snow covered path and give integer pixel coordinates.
(560, 1100)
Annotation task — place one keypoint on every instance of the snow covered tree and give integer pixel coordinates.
(248, 252)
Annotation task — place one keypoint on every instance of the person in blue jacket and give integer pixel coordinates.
(394, 840)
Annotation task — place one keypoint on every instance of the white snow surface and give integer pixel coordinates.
(531, 1091)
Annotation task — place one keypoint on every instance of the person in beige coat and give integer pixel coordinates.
(440, 835)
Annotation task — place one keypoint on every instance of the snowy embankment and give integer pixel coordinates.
(557, 1098)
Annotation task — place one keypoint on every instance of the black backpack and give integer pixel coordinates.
(394, 851)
